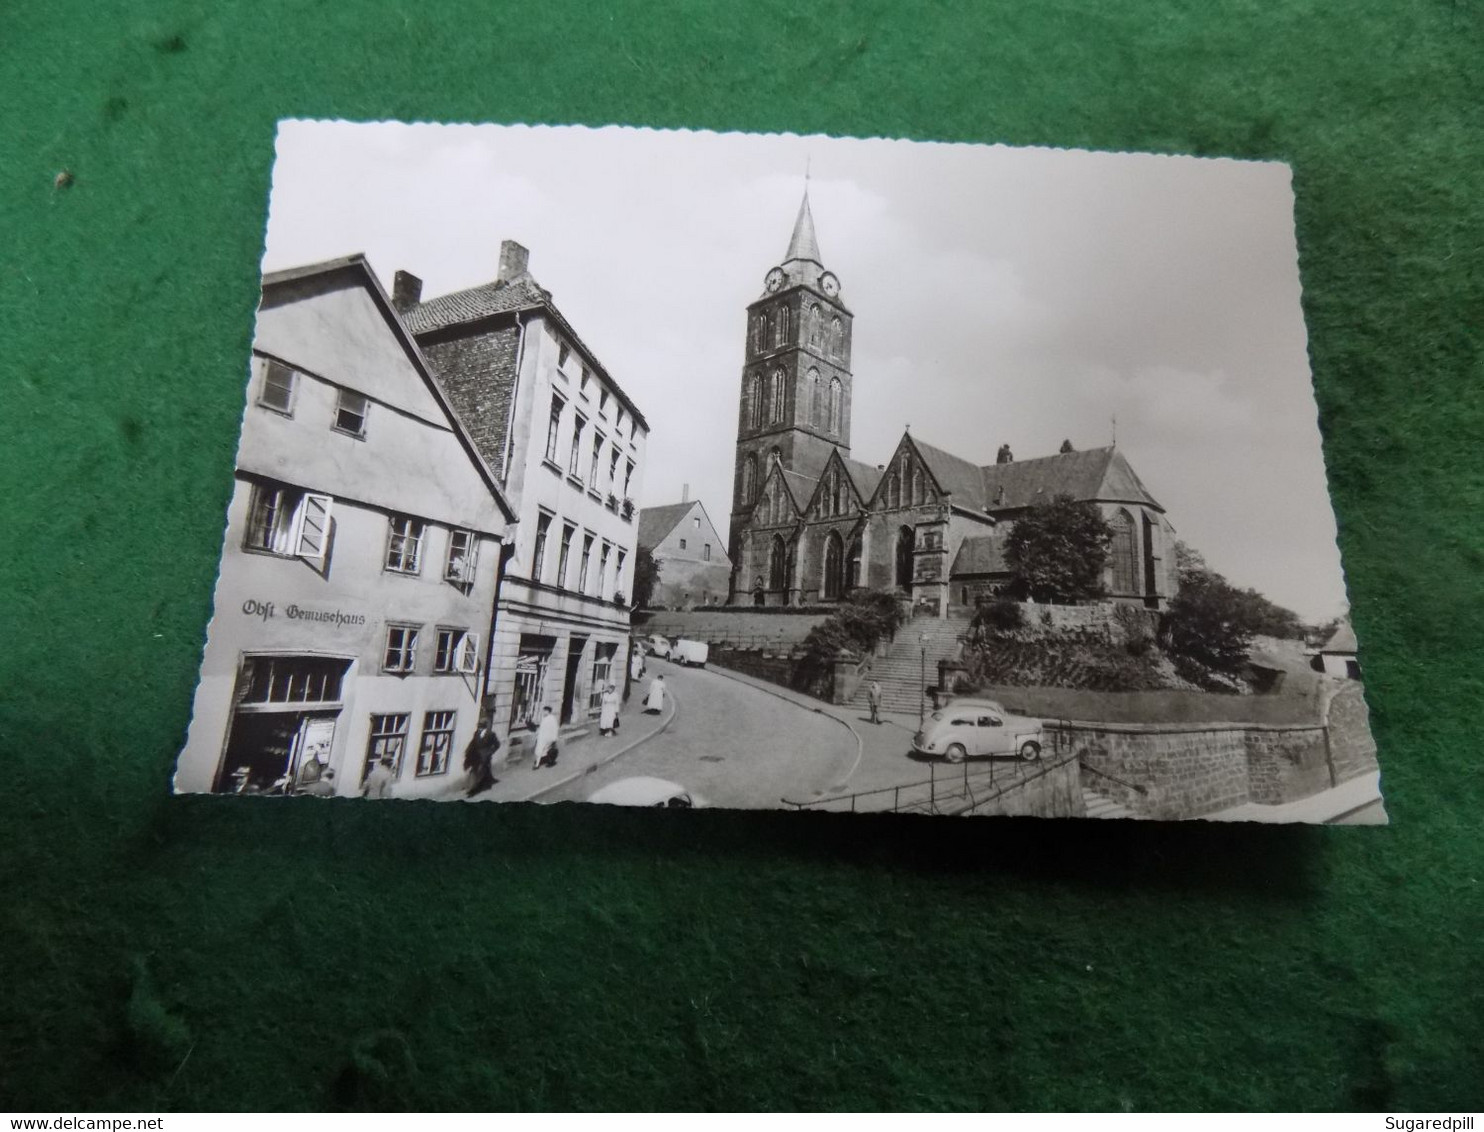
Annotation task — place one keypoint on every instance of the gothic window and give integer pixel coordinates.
(779, 394)
(837, 339)
(836, 404)
(783, 326)
(755, 401)
(1123, 554)
(905, 543)
(749, 478)
(853, 565)
(919, 490)
(893, 491)
(778, 564)
(816, 329)
(816, 399)
(839, 500)
(757, 333)
(834, 566)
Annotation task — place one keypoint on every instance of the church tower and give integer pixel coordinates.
(796, 382)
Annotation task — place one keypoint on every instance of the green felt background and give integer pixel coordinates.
(165, 953)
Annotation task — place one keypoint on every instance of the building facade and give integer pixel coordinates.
(809, 523)
(360, 563)
(568, 447)
(694, 569)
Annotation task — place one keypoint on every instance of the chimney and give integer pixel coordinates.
(685, 493)
(407, 290)
(513, 260)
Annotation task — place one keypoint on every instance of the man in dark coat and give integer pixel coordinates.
(479, 757)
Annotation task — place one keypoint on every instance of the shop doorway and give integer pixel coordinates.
(285, 714)
(575, 646)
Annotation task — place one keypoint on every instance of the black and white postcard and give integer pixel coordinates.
(682, 469)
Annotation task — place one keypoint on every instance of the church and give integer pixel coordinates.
(810, 523)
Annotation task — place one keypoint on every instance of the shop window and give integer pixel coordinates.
(603, 656)
(463, 558)
(401, 649)
(277, 391)
(289, 522)
(291, 680)
(404, 544)
(437, 742)
(388, 739)
(529, 689)
(350, 413)
(456, 650)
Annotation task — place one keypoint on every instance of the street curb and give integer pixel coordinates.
(761, 686)
(587, 770)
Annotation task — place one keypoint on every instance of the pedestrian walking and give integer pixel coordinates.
(654, 698)
(323, 786)
(636, 662)
(380, 780)
(873, 697)
(546, 741)
(479, 758)
(608, 710)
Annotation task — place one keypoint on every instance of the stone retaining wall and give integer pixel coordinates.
(1055, 794)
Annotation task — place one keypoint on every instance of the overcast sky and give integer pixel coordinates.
(1001, 295)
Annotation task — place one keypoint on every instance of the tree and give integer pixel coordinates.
(1212, 622)
(1056, 551)
(646, 577)
(1256, 613)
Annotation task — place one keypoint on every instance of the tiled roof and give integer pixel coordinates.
(864, 476)
(1098, 473)
(963, 480)
(802, 486)
(656, 522)
(520, 293)
(982, 554)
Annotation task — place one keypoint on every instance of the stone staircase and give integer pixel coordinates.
(900, 671)
(1101, 806)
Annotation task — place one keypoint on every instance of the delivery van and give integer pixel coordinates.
(689, 652)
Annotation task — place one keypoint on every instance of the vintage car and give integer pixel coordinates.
(978, 729)
(658, 645)
(688, 652)
(645, 791)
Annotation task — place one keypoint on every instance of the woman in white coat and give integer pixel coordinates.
(654, 699)
(608, 710)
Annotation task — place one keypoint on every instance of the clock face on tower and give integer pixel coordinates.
(829, 284)
(774, 279)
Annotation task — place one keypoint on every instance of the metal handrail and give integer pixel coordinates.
(1134, 786)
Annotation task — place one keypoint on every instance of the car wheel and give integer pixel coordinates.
(1030, 751)
(955, 753)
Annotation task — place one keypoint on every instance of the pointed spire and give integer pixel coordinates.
(803, 244)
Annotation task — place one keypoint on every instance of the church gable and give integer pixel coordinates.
(776, 503)
(907, 480)
(836, 494)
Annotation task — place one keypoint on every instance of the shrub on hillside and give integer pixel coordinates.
(999, 617)
(858, 626)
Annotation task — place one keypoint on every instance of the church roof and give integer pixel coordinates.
(1098, 473)
(963, 480)
(981, 554)
(1342, 640)
(864, 476)
(803, 244)
(801, 486)
(656, 522)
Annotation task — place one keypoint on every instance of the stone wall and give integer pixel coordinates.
(478, 374)
(774, 667)
(1352, 746)
(1283, 765)
(1177, 772)
(1056, 793)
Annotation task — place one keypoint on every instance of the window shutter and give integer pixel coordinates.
(312, 531)
(468, 657)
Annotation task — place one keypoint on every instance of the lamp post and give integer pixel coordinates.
(922, 641)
